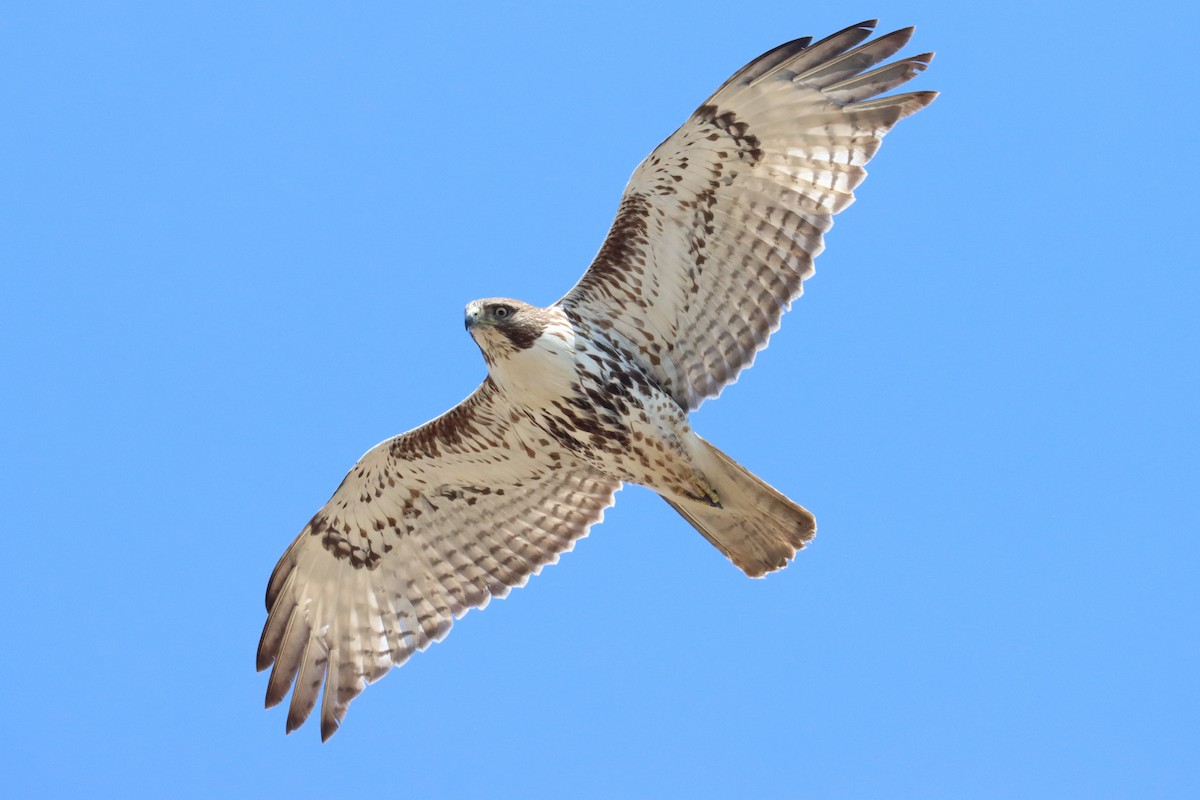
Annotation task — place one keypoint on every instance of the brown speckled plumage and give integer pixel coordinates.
(715, 234)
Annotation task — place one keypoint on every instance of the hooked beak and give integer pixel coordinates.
(472, 316)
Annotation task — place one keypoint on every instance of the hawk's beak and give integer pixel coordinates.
(471, 318)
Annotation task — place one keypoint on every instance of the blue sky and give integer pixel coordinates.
(235, 243)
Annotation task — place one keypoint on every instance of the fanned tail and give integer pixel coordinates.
(755, 526)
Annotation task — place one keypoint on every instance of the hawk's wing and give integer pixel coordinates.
(719, 226)
(427, 526)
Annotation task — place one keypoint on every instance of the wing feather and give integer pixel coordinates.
(826, 50)
(831, 70)
(719, 226)
(425, 527)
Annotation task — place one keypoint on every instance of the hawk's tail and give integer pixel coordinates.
(755, 526)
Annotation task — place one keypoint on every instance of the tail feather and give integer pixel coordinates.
(755, 526)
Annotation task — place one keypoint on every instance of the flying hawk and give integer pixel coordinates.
(715, 234)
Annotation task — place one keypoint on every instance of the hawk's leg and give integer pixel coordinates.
(706, 493)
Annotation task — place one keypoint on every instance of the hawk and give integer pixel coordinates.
(715, 234)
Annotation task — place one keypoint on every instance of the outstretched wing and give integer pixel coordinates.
(719, 226)
(427, 526)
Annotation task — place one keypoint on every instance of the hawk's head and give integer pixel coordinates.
(502, 326)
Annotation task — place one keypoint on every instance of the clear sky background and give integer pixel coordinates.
(235, 244)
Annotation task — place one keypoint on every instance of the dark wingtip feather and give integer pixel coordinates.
(922, 99)
(276, 690)
(265, 655)
(764, 63)
(866, 28)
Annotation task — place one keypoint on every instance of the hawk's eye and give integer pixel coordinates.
(502, 312)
